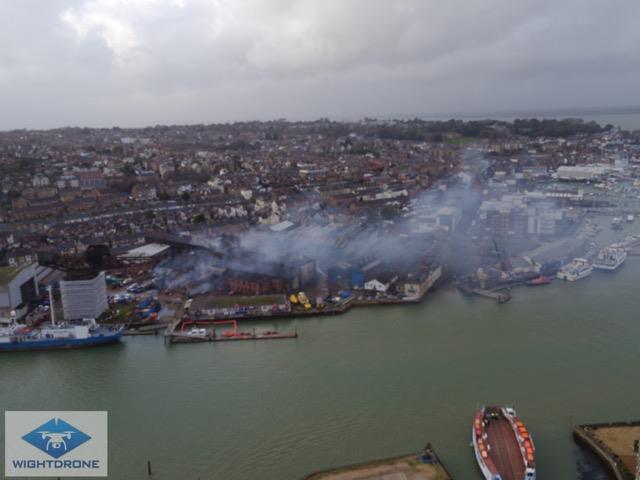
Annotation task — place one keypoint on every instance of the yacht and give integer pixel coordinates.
(610, 258)
(577, 269)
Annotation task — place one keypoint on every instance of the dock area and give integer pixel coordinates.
(424, 465)
(614, 444)
(146, 330)
(498, 296)
(187, 330)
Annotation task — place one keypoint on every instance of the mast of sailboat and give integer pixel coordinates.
(51, 306)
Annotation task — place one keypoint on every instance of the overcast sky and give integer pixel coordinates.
(147, 62)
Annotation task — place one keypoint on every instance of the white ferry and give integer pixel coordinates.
(579, 268)
(502, 444)
(610, 258)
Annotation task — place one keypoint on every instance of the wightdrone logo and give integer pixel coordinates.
(56, 437)
(70, 444)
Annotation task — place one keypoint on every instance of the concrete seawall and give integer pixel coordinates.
(586, 435)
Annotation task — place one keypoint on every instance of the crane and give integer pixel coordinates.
(505, 264)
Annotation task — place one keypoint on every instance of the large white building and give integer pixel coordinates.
(581, 172)
(84, 298)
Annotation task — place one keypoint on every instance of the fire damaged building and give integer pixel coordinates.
(199, 272)
(262, 278)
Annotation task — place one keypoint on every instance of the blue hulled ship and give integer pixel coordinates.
(57, 337)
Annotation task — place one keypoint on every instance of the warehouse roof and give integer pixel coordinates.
(149, 250)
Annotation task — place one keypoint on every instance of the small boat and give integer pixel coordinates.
(197, 332)
(541, 280)
(502, 445)
(579, 268)
(630, 218)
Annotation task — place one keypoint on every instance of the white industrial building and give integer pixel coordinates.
(18, 286)
(146, 252)
(84, 298)
(581, 172)
(428, 220)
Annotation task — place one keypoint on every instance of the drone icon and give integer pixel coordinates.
(56, 440)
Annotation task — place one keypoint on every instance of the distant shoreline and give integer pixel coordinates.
(577, 112)
(630, 114)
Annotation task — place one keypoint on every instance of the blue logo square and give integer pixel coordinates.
(56, 437)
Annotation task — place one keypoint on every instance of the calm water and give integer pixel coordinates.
(371, 383)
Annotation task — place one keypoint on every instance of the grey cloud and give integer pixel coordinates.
(136, 62)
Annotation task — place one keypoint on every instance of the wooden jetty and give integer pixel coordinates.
(204, 331)
(186, 338)
(145, 330)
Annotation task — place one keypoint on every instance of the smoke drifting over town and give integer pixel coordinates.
(413, 234)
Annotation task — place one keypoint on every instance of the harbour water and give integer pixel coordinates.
(371, 383)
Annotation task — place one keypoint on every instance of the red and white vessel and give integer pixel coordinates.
(502, 445)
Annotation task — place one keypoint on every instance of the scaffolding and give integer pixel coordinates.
(84, 298)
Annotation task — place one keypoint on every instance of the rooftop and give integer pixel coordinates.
(149, 250)
(9, 273)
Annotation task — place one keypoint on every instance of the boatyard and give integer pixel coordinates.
(334, 370)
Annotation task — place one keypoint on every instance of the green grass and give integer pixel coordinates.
(121, 313)
(8, 273)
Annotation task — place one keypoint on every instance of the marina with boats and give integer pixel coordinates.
(321, 327)
(503, 444)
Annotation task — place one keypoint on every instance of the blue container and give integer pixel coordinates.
(357, 279)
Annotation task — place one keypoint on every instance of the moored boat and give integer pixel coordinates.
(57, 337)
(502, 445)
(541, 280)
(610, 258)
(577, 269)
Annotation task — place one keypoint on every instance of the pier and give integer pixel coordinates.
(614, 443)
(424, 465)
(205, 331)
(498, 296)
